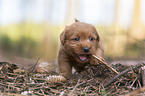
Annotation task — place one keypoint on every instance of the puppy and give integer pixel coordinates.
(79, 42)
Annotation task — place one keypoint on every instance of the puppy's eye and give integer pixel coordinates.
(76, 39)
(91, 39)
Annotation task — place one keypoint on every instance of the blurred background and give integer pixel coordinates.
(30, 28)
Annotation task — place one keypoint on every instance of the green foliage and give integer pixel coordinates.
(29, 39)
(134, 49)
(41, 40)
(104, 92)
(6, 43)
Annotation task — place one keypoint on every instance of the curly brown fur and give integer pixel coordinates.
(78, 42)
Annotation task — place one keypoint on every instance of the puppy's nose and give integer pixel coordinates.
(86, 49)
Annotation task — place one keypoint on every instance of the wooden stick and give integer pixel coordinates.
(122, 73)
(117, 76)
(105, 63)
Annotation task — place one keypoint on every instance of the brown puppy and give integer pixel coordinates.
(78, 42)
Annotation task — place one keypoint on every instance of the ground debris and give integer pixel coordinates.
(95, 80)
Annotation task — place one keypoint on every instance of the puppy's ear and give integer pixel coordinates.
(76, 20)
(98, 37)
(63, 36)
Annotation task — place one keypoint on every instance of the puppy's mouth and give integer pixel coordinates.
(83, 57)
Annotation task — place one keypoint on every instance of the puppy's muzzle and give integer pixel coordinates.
(86, 49)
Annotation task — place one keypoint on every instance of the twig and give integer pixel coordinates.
(78, 84)
(17, 77)
(62, 93)
(139, 83)
(33, 84)
(71, 93)
(38, 93)
(42, 92)
(133, 82)
(42, 85)
(122, 73)
(105, 63)
(33, 67)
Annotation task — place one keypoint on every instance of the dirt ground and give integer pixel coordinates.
(95, 80)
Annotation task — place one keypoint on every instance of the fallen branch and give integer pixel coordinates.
(122, 73)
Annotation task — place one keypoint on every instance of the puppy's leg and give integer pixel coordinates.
(65, 68)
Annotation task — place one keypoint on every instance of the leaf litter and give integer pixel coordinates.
(95, 80)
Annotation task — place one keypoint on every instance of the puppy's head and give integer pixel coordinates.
(80, 40)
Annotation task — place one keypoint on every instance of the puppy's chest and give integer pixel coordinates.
(74, 63)
(79, 66)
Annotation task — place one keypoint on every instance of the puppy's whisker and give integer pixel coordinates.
(103, 61)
